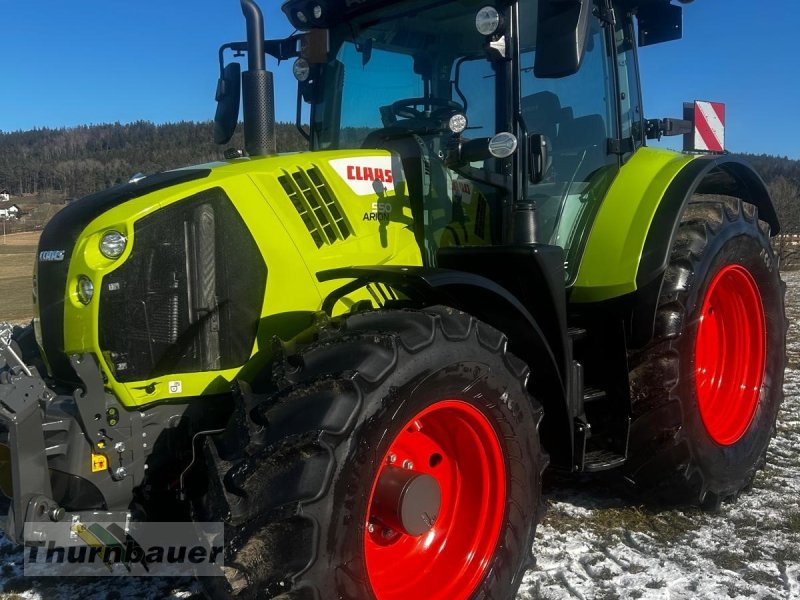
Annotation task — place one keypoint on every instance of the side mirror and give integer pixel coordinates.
(659, 22)
(229, 90)
(538, 157)
(563, 29)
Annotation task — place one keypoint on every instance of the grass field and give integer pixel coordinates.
(17, 255)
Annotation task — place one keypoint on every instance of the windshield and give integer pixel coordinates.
(399, 66)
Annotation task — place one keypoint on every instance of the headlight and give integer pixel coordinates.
(301, 69)
(113, 244)
(85, 289)
(488, 20)
(458, 123)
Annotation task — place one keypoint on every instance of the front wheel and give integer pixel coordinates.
(706, 392)
(401, 461)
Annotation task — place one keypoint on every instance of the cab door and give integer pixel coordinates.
(579, 115)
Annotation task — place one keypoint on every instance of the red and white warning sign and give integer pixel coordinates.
(709, 126)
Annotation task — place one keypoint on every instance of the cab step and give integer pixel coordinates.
(602, 460)
(592, 394)
(576, 334)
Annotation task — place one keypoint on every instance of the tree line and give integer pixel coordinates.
(72, 162)
(783, 178)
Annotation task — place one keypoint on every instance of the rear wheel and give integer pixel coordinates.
(401, 460)
(706, 392)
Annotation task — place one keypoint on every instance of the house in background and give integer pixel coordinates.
(10, 212)
(5, 196)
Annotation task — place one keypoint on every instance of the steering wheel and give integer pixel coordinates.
(444, 109)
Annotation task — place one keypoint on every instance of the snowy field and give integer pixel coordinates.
(596, 542)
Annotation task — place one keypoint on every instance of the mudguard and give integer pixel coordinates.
(493, 304)
(630, 241)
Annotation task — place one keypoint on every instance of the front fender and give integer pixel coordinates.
(495, 305)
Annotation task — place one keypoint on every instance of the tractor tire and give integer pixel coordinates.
(706, 392)
(400, 459)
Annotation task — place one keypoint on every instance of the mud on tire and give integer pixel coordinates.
(296, 495)
(693, 438)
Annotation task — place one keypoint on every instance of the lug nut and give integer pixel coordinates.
(392, 459)
(371, 528)
(407, 464)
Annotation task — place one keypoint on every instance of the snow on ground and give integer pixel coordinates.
(596, 543)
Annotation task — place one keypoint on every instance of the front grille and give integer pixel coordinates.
(189, 296)
(311, 196)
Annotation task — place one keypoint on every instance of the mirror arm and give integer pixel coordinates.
(458, 161)
(658, 128)
(283, 49)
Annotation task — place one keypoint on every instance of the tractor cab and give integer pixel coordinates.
(508, 122)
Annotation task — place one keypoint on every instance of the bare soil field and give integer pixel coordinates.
(17, 255)
(597, 542)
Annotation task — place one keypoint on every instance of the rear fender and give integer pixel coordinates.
(629, 245)
(633, 285)
(723, 175)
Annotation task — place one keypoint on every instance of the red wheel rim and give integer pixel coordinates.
(455, 443)
(730, 354)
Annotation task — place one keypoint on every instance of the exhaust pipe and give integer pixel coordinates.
(258, 88)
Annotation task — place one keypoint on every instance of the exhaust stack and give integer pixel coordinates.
(258, 88)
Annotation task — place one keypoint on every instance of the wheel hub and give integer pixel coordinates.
(406, 501)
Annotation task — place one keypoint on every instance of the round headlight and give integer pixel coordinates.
(503, 145)
(317, 11)
(301, 16)
(487, 21)
(301, 69)
(113, 244)
(85, 289)
(457, 123)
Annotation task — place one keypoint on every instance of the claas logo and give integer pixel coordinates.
(356, 173)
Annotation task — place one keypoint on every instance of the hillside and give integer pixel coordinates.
(43, 168)
(72, 162)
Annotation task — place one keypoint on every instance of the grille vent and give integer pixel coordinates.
(314, 202)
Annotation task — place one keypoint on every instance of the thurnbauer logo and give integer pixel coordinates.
(51, 255)
(113, 549)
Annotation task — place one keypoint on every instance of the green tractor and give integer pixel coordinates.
(362, 358)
